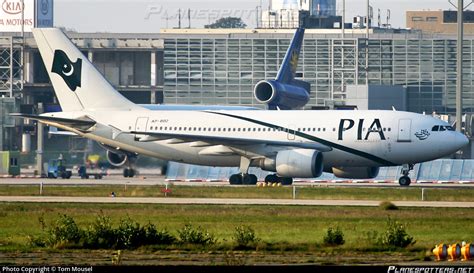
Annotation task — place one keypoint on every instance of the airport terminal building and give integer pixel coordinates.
(222, 66)
(201, 66)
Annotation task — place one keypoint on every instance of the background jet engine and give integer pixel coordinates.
(356, 172)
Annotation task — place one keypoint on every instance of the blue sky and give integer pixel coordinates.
(144, 16)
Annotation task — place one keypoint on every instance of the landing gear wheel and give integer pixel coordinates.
(246, 179)
(235, 179)
(287, 181)
(128, 172)
(404, 181)
(253, 179)
(272, 178)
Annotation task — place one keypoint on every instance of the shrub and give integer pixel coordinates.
(130, 234)
(195, 235)
(101, 234)
(396, 235)
(386, 205)
(245, 236)
(156, 237)
(63, 232)
(334, 237)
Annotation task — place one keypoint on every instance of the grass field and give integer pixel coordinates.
(321, 193)
(294, 229)
(289, 234)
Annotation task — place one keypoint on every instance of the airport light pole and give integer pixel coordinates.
(460, 43)
(343, 19)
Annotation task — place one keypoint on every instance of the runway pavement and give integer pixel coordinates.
(214, 201)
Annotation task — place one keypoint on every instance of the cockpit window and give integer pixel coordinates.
(442, 128)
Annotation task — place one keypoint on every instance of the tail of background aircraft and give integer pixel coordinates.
(285, 92)
(77, 83)
(287, 72)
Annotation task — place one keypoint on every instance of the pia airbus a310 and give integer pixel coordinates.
(290, 144)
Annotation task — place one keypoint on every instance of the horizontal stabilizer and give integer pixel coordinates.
(81, 124)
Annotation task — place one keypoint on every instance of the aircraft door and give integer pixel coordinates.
(291, 132)
(141, 125)
(404, 130)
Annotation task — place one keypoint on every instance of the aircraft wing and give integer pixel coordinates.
(203, 141)
(79, 124)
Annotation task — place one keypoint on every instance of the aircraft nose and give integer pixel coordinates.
(461, 140)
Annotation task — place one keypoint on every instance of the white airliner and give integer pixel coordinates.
(302, 144)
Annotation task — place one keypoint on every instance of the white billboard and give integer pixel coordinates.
(28, 13)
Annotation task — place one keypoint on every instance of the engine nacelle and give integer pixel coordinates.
(300, 163)
(117, 159)
(285, 96)
(356, 172)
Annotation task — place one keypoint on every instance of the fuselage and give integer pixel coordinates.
(357, 138)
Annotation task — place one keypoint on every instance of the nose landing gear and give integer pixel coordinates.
(405, 180)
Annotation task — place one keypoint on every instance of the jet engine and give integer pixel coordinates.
(282, 95)
(356, 172)
(301, 163)
(117, 159)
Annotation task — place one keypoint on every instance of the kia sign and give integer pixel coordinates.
(35, 13)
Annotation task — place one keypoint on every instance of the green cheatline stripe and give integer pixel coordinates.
(315, 139)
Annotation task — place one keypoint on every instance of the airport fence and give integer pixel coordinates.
(438, 171)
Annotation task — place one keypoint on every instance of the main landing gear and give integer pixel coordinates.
(273, 178)
(244, 178)
(129, 172)
(405, 180)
